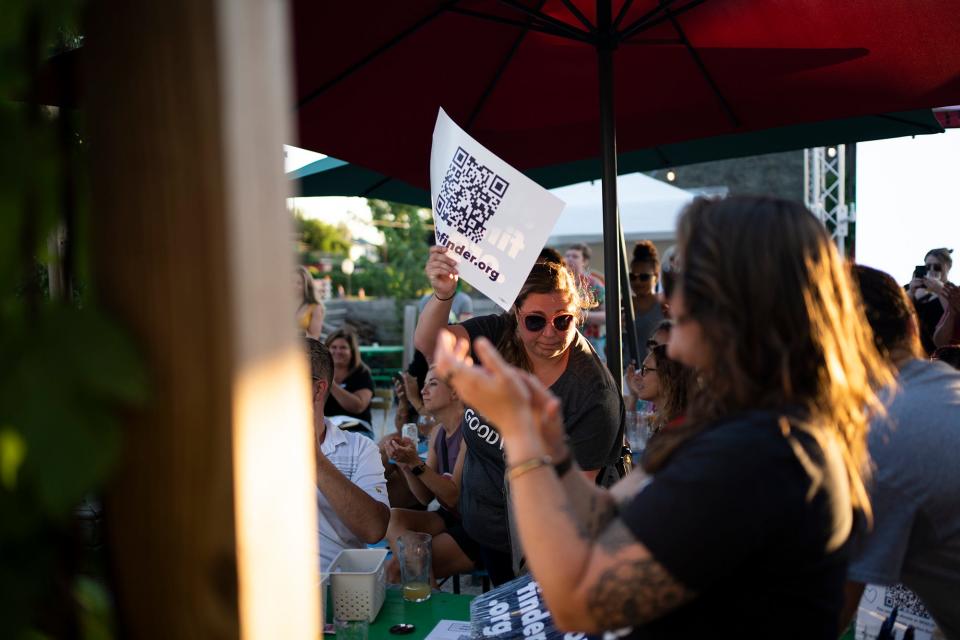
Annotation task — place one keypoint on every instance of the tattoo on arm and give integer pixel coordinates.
(600, 511)
(634, 591)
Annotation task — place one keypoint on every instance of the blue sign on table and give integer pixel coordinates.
(515, 610)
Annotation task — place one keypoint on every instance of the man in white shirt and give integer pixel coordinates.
(353, 509)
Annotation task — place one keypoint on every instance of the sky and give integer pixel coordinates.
(908, 201)
(353, 212)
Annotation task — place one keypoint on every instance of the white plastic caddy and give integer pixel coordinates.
(357, 583)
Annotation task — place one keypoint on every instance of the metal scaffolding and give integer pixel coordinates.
(825, 187)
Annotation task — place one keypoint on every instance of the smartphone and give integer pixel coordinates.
(410, 432)
(920, 271)
(398, 377)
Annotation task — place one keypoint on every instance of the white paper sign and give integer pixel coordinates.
(494, 219)
(450, 630)
(877, 604)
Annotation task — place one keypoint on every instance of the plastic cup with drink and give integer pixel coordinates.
(414, 554)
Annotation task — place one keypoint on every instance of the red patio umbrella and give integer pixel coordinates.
(539, 81)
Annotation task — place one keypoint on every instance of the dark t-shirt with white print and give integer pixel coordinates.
(593, 415)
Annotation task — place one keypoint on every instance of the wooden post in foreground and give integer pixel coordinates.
(212, 516)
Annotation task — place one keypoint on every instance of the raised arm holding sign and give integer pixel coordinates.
(505, 218)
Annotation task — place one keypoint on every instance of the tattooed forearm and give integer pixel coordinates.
(635, 591)
(592, 515)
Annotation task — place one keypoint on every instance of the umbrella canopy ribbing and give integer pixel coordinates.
(545, 82)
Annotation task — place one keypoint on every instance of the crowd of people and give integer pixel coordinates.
(801, 447)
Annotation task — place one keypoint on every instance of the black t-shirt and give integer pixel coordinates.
(929, 312)
(593, 415)
(757, 524)
(359, 378)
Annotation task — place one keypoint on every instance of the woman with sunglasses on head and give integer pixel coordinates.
(937, 301)
(538, 335)
(647, 307)
(742, 527)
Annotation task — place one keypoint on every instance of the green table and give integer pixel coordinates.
(384, 361)
(377, 350)
(425, 615)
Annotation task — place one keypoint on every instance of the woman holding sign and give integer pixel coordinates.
(538, 335)
(743, 529)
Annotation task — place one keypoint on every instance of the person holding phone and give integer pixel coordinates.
(936, 300)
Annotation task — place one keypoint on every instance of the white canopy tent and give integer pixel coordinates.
(648, 209)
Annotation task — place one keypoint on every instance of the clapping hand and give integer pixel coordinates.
(514, 400)
(412, 391)
(403, 409)
(547, 417)
(403, 451)
(496, 389)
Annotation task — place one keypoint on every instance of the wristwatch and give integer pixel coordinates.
(419, 469)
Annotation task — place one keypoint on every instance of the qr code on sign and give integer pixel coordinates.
(899, 596)
(470, 195)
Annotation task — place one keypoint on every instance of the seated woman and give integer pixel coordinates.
(409, 405)
(453, 551)
(664, 382)
(744, 523)
(352, 387)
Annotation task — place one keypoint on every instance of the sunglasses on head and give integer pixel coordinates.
(536, 323)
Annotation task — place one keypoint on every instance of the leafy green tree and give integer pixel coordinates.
(404, 252)
(320, 237)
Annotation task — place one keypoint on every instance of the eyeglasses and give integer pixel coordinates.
(643, 277)
(644, 370)
(935, 267)
(537, 323)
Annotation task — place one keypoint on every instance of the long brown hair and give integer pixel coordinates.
(545, 277)
(308, 291)
(351, 339)
(676, 381)
(782, 324)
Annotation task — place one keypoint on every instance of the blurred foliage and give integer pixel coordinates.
(321, 239)
(399, 271)
(68, 369)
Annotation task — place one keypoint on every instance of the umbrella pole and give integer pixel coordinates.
(611, 230)
(633, 341)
